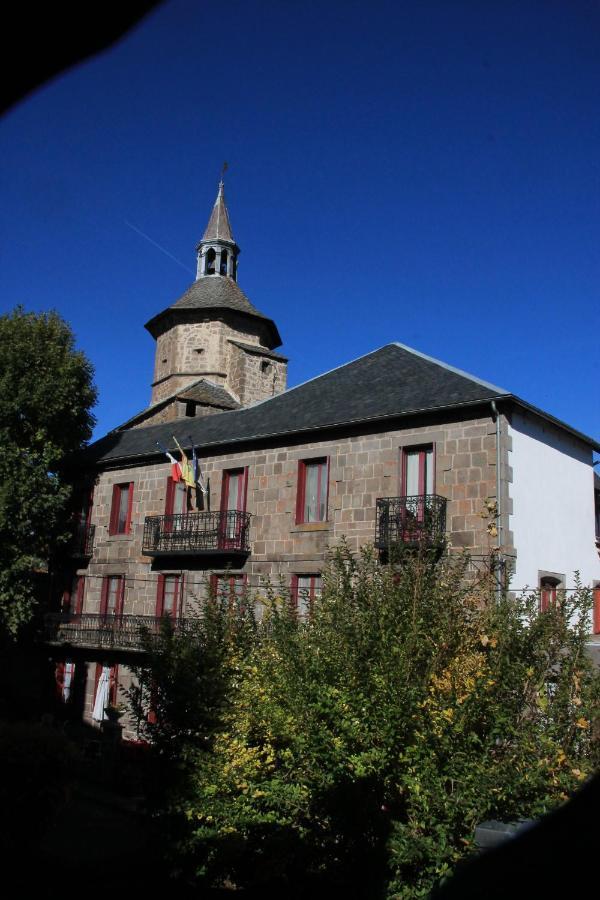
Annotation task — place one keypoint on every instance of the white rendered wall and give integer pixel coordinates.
(553, 503)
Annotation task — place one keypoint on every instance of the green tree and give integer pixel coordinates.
(358, 750)
(46, 397)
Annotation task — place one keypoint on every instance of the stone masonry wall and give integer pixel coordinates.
(361, 469)
(187, 351)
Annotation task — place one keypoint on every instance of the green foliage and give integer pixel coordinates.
(46, 393)
(358, 751)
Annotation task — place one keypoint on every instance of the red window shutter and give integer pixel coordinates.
(113, 692)
(294, 592)
(245, 489)
(300, 492)
(179, 597)
(79, 598)
(120, 596)
(160, 595)
(114, 510)
(104, 597)
(597, 609)
(60, 679)
(129, 508)
(170, 497)
(224, 491)
(325, 475)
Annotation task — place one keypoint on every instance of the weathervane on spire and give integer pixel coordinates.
(223, 170)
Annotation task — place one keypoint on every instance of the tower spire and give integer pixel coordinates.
(218, 251)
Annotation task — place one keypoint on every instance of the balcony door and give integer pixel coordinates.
(417, 471)
(418, 482)
(233, 502)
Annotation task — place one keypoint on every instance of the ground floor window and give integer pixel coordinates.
(65, 678)
(305, 589)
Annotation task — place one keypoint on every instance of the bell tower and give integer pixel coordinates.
(214, 349)
(217, 252)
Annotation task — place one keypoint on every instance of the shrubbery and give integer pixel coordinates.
(358, 751)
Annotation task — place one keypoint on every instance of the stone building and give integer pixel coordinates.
(394, 448)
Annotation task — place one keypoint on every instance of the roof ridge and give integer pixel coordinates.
(449, 368)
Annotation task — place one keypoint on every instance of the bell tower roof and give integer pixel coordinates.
(219, 226)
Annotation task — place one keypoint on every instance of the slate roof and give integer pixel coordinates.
(202, 391)
(206, 392)
(219, 226)
(217, 292)
(391, 382)
(258, 349)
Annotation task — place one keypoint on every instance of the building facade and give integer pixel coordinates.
(393, 449)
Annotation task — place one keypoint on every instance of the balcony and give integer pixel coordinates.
(82, 544)
(418, 521)
(108, 632)
(189, 534)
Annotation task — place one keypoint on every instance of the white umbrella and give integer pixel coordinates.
(102, 694)
(68, 678)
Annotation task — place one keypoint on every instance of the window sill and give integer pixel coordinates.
(312, 526)
(120, 537)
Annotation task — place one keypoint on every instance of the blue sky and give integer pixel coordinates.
(424, 172)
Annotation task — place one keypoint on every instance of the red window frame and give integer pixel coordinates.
(73, 594)
(120, 599)
(230, 532)
(422, 450)
(313, 590)
(322, 488)
(160, 595)
(225, 488)
(596, 610)
(549, 588)
(118, 490)
(217, 582)
(172, 487)
(113, 684)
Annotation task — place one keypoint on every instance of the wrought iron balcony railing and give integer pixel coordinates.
(102, 631)
(82, 544)
(197, 532)
(410, 521)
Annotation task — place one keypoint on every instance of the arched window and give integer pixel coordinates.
(223, 268)
(209, 266)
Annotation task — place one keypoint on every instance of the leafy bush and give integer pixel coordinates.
(358, 751)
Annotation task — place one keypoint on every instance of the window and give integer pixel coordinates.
(418, 470)
(313, 485)
(168, 595)
(72, 598)
(177, 499)
(234, 490)
(549, 587)
(190, 409)
(65, 676)
(113, 594)
(229, 587)
(305, 589)
(210, 262)
(120, 514)
(223, 266)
